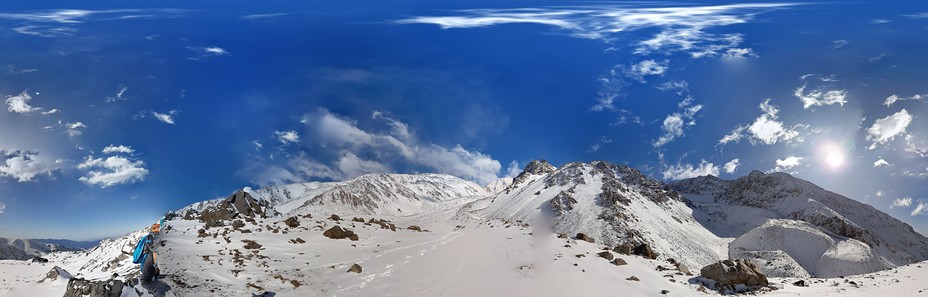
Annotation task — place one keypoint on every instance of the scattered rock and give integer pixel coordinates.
(605, 255)
(683, 268)
(664, 292)
(238, 205)
(645, 251)
(561, 235)
(251, 245)
(619, 262)
(292, 222)
(800, 283)
(357, 219)
(584, 237)
(299, 240)
(701, 289)
(38, 259)
(55, 273)
(336, 232)
(729, 273)
(202, 233)
(414, 228)
(238, 224)
(580, 255)
(624, 249)
(355, 268)
(335, 217)
(632, 278)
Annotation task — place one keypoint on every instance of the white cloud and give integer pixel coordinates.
(731, 166)
(13, 70)
(821, 93)
(73, 129)
(920, 208)
(598, 145)
(880, 21)
(20, 103)
(26, 165)
(739, 53)
(675, 123)
(920, 15)
(204, 52)
(265, 17)
(678, 172)
(2, 207)
(45, 31)
(902, 202)
(287, 136)
(513, 170)
(119, 96)
(681, 28)
(880, 162)
(839, 43)
(885, 129)
(52, 111)
(65, 16)
(647, 68)
(766, 129)
(112, 170)
(258, 145)
(167, 118)
(788, 163)
(894, 98)
(113, 149)
(359, 151)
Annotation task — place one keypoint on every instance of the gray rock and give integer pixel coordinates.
(79, 287)
(729, 273)
(355, 268)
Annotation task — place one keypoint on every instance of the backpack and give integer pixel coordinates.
(138, 257)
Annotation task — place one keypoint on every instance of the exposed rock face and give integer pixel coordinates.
(79, 287)
(55, 273)
(336, 232)
(645, 250)
(239, 205)
(729, 273)
(624, 249)
(535, 167)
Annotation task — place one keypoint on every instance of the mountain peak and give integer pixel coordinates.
(539, 167)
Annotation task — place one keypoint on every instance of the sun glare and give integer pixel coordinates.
(834, 157)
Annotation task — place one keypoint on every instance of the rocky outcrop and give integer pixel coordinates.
(237, 206)
(645, 251)
(355, 268)
(729, 273)
(584, 237)
(535, 167)
(292, 222)
(337, 232)
(79, 287)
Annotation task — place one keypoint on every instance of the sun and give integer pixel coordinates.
(834, 157)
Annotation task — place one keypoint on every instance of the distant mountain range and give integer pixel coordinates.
(23, 249)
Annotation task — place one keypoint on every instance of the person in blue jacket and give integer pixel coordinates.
(146, 257)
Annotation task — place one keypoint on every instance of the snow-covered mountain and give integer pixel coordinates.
(273, 239)
(825, 233)
(22, 249)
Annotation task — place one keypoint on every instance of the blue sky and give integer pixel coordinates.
(116, 112)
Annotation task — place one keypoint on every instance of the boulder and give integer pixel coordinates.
(683, 268)
(55, 273)
(729, 273)
(335, 217)
(644, 250)
(800, 283)
(292, 222)
(624, 249)
(79, 287)
(336, 232)
(605, 255)
(632, 278)
(584, 237)
(251, 245)
(357, 219)
(355, 268)
(239, 205)
(414, 228)
(619, 262)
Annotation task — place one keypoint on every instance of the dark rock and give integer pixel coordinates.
(644, 250)
(605, 255)
(619, 262)
(357, 219)
(202, 233)
(55, 273)
(292, 222)
(584, 237)
(38, 259)
(355, 268)
(336, 232)
(800, 283)
(79, 287)
(238, 205)
(335, 217)
(561, 235)
(238, 224)
(632, 278)
(414, 228)
(250, 244)
(665, 292)
(729, 273)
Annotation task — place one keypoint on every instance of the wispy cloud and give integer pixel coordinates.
(839, 43)
(819, 90)
(264, 17)
(880, 162)
(205, 52)
(20, 103)
(61, 22)
(167, 118)
(599, 144)
(894, 98)
(117, 169)
(920, 208)
(675, 124)
(787, 164)
(731, 166)
(119, 96)
(286, 137)
(901, 202)
(681, 28)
